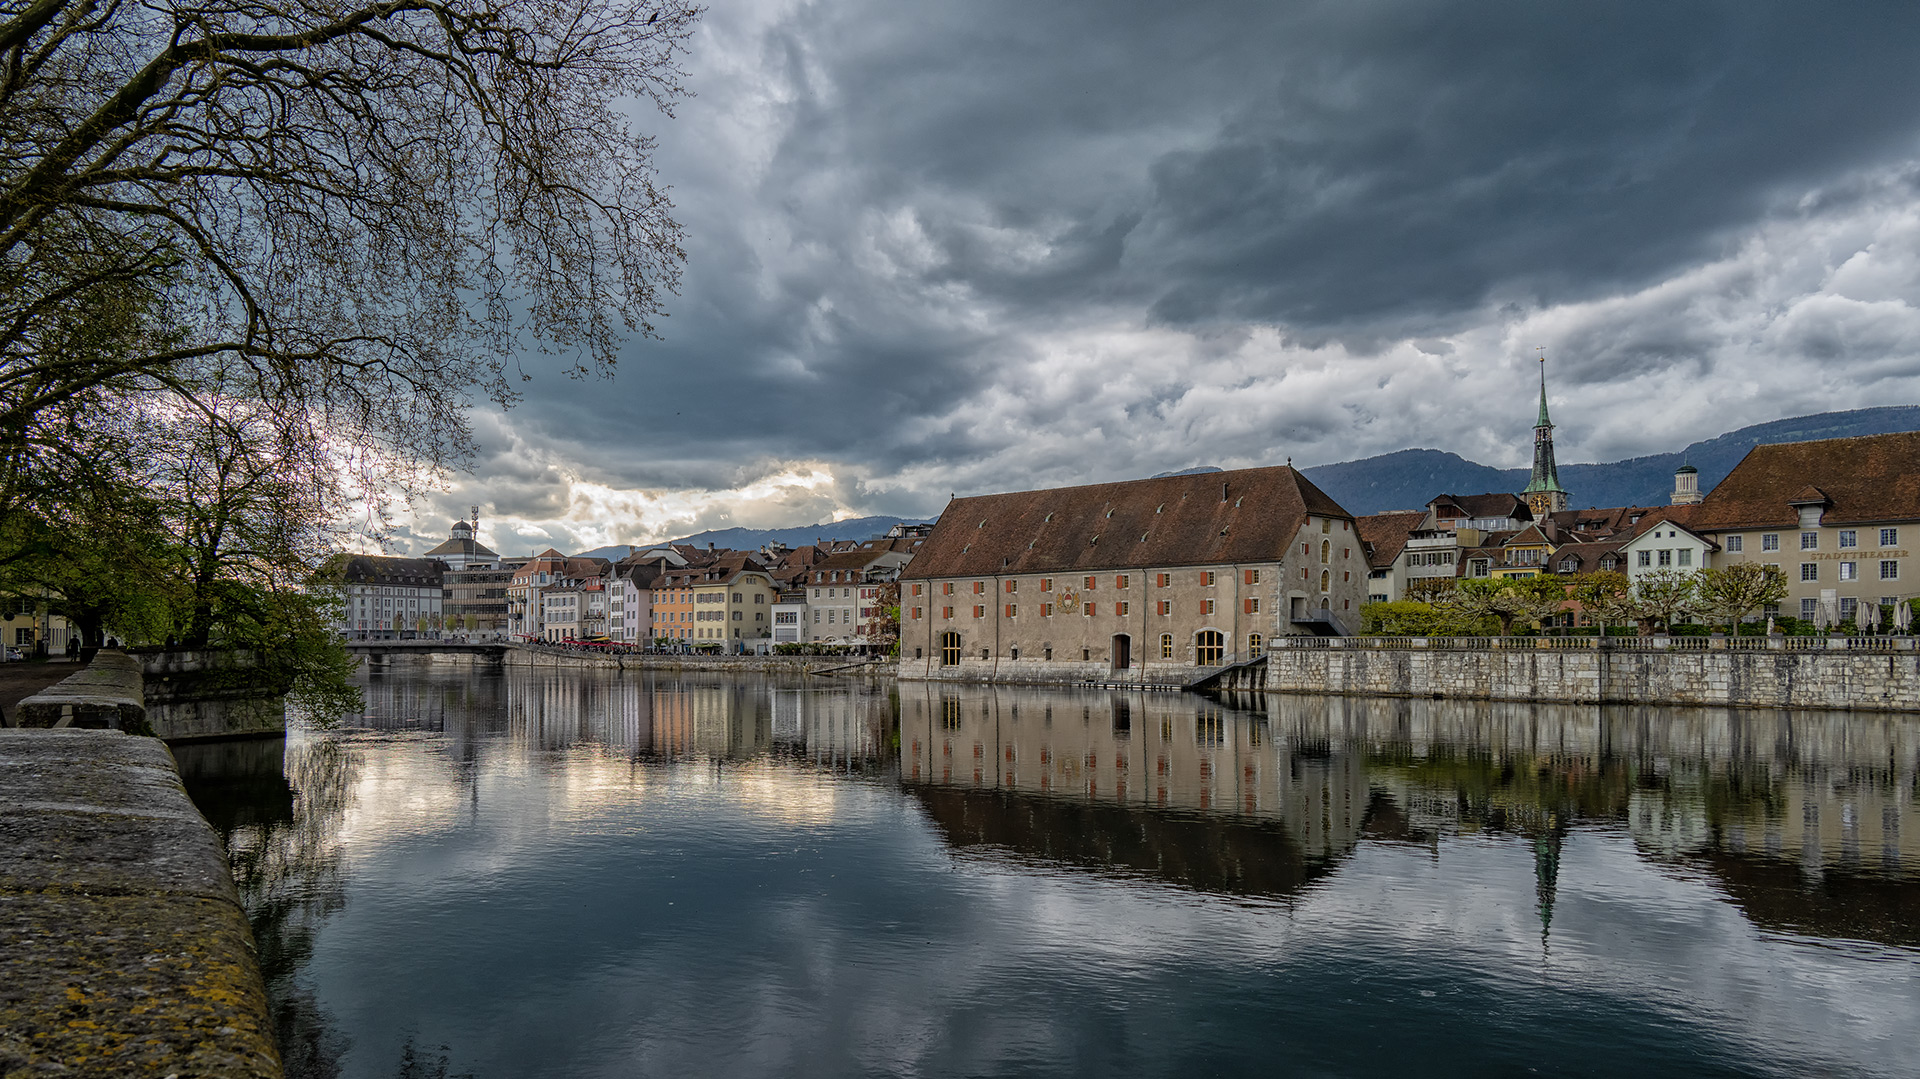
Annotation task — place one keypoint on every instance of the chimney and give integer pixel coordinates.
(1686, 486)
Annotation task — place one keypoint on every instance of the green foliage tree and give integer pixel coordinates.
(1509, 601)
(1663, 597)
(1606, 596)
(1731, 593)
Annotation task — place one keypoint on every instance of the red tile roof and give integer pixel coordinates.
(1167, 521)
(1864, 480)
(1386, 534)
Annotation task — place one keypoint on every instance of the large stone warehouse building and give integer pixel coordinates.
(1151, 577)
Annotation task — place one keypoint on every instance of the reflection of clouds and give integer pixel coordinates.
(563, 891)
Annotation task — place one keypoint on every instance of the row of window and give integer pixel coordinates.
(1664, 557)
(1164, 608)
(1209, 648)
(1121, 581)
(1849, 607)
(1810, 540)
(1850, 571)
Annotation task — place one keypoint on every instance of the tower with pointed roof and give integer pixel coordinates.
(1543, 492)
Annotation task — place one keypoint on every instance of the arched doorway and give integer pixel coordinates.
(1122, 651)
(1209, 648)
(949, 649)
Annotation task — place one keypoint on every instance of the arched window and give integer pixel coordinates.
(1325, 580)
(1209, 647)
(1166, 646)
(1326, 550)
(1255, 643)
(949, 649)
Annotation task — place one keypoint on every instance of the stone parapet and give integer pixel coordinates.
(1879, 675)
(124, 950)
(108, 694)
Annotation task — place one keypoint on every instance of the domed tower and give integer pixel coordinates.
(1543, 493)
(1686, 486)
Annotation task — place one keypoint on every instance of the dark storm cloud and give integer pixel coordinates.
(890, 209)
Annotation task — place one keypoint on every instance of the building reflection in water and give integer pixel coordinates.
(1806, 819)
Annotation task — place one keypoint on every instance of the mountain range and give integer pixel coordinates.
(1406, 479)
(751, 539)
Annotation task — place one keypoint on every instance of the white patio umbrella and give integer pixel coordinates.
(1870, 616)
(1902, 615)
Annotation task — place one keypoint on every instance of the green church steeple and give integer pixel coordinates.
(1543, 492)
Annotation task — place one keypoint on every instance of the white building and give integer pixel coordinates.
(1666, 545)
(385, 598)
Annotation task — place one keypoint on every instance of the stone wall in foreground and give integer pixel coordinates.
(124, 949)
(1858, 674)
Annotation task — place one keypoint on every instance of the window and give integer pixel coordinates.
(1568, 565)
(1013, 653)
(1166, 608)
(1685, 556)
(1252, 604)
(1121, 582)
(1849, 538)
(1889, 570)
(816, 615)
(949, 649)
(1848, 607)
(1160, 579)
(1770, 541)
(1666, 558)
(1087, 609)
(1046, 610)
(1809, 541)
(1809, 571)
(1046, 584)
(1326, 551)
(916, 590)
(945, 612)
(916, 613)
(1326, 580)
(946, 589)
(979, 588)
(1120, 609)
(979, 610)
(1849, 571)
(1166, 646)
(1326, 526)
(1808, 608)
(1012, 609)
(1254, 644)
(1643, 558)
(1206, 578)
(1208, 647)
(1889, 537)
(1253, 576)
(1206, 606)
(1087, 583)
(1011, 586)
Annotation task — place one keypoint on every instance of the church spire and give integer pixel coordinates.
(1543, 492)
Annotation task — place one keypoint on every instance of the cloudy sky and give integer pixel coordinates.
(939, 248)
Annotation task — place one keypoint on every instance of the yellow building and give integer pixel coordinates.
(732, 600)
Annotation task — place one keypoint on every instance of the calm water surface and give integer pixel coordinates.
(596, 874)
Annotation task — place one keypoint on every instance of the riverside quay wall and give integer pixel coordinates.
(1855, 673)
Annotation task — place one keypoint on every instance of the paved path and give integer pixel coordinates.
(18, 681)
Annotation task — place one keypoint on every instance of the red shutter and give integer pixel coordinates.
(1248, 604)
(1249, 576)
(1009, 610)
(1009, 587)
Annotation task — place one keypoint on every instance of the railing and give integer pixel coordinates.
(1611, 644)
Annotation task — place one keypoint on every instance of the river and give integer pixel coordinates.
(587, 873)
